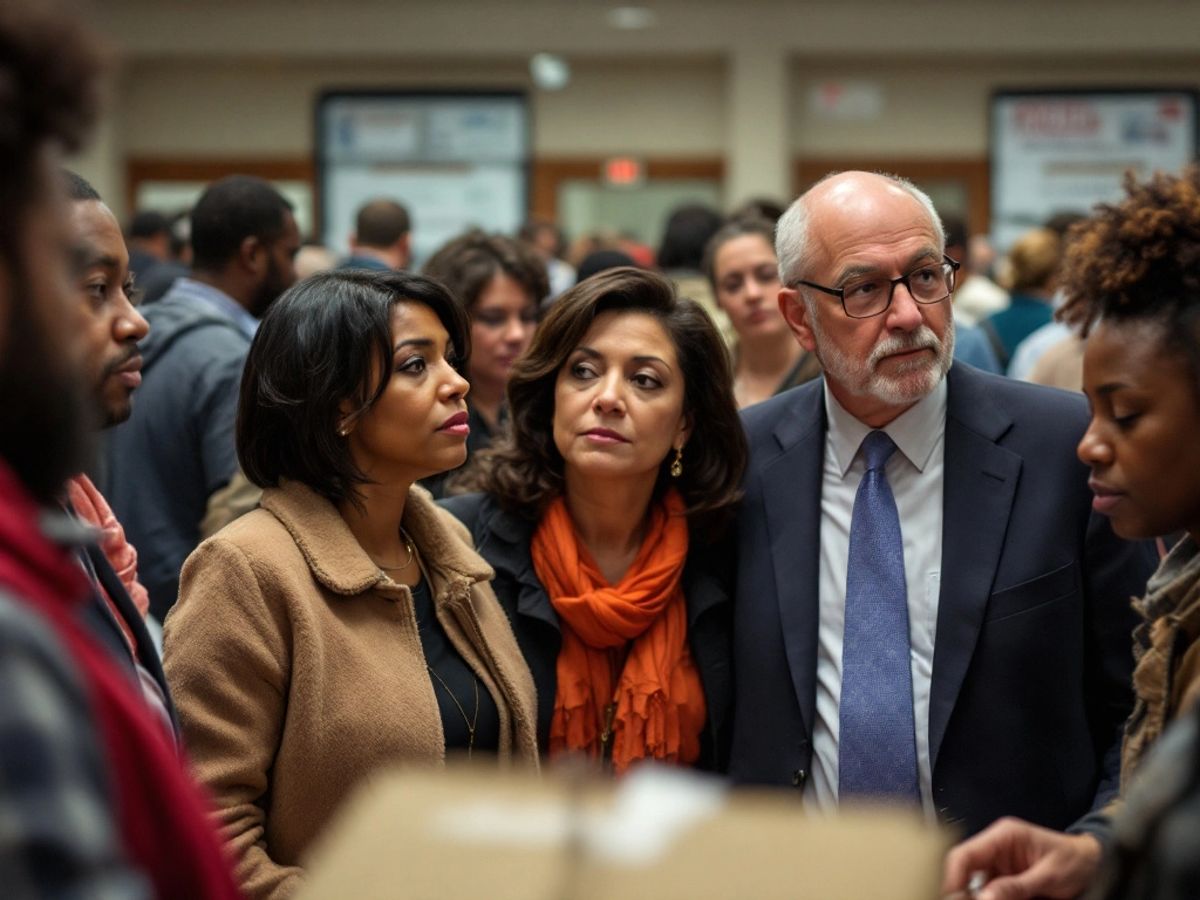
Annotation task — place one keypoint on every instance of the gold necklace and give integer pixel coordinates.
(471, 723)
(412, 552)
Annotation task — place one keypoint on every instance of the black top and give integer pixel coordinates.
(453, 680)
(503, 539)
(480, 438)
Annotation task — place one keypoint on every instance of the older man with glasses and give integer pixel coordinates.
(928, 611)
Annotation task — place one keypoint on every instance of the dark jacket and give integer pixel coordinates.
(503, 539)
(1031, 671)
(177, 447)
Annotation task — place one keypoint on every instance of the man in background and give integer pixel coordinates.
(113, 327)
(177, 448)
(148, 240)
(381, 237)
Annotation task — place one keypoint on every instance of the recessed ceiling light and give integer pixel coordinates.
(549, 72)
(632, 18)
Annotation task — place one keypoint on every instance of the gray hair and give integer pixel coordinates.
(791, 234)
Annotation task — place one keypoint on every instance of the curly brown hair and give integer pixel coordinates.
(1140, 259)
(524, 470)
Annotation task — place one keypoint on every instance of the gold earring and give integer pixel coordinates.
(677, 463)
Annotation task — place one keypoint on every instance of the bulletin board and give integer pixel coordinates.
(454, 160)
(1065, 151)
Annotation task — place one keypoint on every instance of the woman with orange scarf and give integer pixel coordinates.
(597, 525)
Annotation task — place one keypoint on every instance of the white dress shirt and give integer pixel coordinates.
(915, 477)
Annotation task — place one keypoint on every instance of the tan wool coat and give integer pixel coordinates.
(298, 671)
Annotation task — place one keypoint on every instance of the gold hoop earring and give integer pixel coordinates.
(677, 463)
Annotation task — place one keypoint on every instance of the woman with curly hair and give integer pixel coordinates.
(1133, 278)
(624, 459)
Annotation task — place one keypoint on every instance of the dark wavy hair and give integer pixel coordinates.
(328, 339)
(1140, 260)
(467, 263)
(524, 470)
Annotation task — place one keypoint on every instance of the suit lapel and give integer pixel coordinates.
(792, 498)
(980, 481)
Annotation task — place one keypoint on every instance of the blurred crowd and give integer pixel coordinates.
(825, 495)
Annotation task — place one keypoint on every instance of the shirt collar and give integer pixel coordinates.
(219, 302)
(915, 431)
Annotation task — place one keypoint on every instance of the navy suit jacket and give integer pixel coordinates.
(1032, 663)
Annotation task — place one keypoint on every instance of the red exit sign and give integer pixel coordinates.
(624, 170)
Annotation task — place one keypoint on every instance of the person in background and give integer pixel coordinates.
(970, 343)
(602, 261)
(1053, 353)
(314, 257)
(177, 448)
(1133, 288)
(382, 237)
(760, 208)
(499, 281)
(1033, 265)
(978, 295)
(548, 239)
(917, 553)
(149, 241)
(345, 625)
(680, 257)
(596, 512)
(95, 800)
(119, 602)
(741, 267)
(158, 279)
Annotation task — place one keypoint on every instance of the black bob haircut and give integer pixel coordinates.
(327, 340)
(228, 212)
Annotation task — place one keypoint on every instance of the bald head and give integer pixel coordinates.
(847, 202)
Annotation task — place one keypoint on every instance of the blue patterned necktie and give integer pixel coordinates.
(877, 752)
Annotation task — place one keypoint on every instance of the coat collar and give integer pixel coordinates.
(340, 564)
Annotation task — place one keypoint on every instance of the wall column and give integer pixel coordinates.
(759, 116)
(102, 161)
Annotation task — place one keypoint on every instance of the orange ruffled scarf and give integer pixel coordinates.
(659, 699)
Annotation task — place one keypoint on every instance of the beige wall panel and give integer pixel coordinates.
(249, 109)
(219, 108)
(941, 109)
(482, 28)
(642, 108)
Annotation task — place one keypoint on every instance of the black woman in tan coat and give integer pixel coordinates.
(345, 625)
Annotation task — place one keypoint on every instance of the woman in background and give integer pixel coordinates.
(346, 624)
(741, 267)
(501, 282)
(1033, 265)
(1132, 275)
(623, 463)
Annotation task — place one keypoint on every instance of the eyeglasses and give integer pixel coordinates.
(871, 295)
